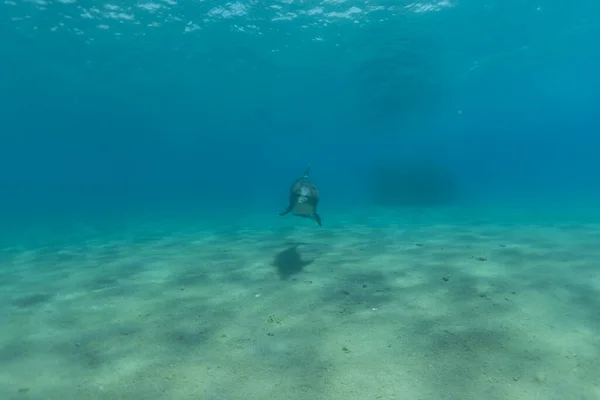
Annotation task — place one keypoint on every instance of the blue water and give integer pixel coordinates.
(147, 147)
(169, 108)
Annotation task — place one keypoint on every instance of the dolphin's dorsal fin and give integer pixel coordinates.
(307, 171)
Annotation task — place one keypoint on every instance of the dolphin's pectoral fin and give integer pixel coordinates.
(317, 218)
(287, 210)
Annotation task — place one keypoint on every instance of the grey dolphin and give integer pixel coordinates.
(304, 198)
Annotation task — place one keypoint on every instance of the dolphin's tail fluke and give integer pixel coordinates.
(307, 171)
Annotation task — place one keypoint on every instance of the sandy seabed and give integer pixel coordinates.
(353, 312)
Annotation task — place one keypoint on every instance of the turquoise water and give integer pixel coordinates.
(170, 106)
(166, 120)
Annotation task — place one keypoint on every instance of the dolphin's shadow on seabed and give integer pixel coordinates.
(289, 262)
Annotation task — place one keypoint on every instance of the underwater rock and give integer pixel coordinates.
(413, 183)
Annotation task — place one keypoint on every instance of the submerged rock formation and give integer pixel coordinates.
(413, 183)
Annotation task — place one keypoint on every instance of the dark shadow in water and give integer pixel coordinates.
(32, 300)
(413, 183)
(289, 262)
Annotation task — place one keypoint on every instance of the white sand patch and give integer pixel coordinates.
(424, 312)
